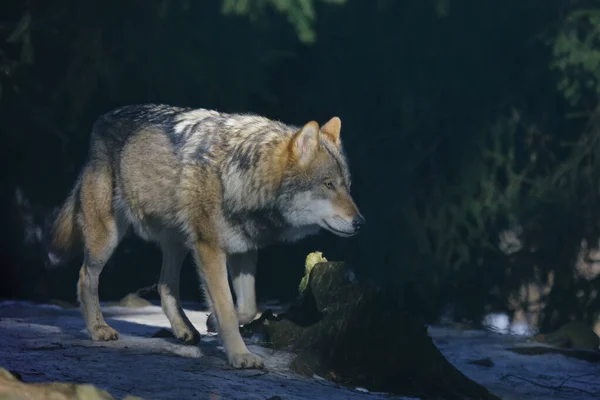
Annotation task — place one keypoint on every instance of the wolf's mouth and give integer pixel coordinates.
(337, 231)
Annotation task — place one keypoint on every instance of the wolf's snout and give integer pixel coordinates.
(358, 222)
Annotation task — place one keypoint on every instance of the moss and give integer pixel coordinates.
(311, 260)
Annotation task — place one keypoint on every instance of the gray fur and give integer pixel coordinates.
(220, 185)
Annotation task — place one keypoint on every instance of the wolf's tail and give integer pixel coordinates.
(65, 232)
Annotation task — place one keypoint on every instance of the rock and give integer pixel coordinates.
(592, 356)
(89, 392)
(132, 300)
(573, 334)
(13, 389)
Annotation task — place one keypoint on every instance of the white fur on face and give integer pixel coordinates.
(307, 210)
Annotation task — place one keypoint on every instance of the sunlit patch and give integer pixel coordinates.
(53, 259)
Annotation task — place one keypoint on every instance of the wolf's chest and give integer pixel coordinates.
(249, 231)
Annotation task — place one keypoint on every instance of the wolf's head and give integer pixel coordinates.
(316, 185)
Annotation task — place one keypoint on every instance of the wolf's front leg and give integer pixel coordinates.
(212, 265)
(242, 270)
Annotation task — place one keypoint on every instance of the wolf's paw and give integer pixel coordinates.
(103, 333)
(188, 335)
(246, 360)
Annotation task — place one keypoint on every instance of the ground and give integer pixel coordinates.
(49, 343)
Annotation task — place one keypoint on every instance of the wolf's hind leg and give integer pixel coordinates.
(101, 233)
(173, 256)
(87, 292)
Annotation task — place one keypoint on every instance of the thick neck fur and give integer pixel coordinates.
(251, 186)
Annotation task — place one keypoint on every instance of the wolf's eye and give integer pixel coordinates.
(329, 185)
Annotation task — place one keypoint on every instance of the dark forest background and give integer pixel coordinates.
(462, 121)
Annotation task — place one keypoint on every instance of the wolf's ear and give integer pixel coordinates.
(332, 129)
(304, 143)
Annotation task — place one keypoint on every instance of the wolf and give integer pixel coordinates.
(218, 185)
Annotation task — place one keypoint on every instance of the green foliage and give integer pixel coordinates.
(20, 37)
(442, 8)
(201, 57)
(577, 56)
(300, 13)
(165, 42)
(492, 181)
(560, 212)
(575, 181)
(576, 51)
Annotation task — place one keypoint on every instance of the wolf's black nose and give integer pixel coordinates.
(358, 222)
